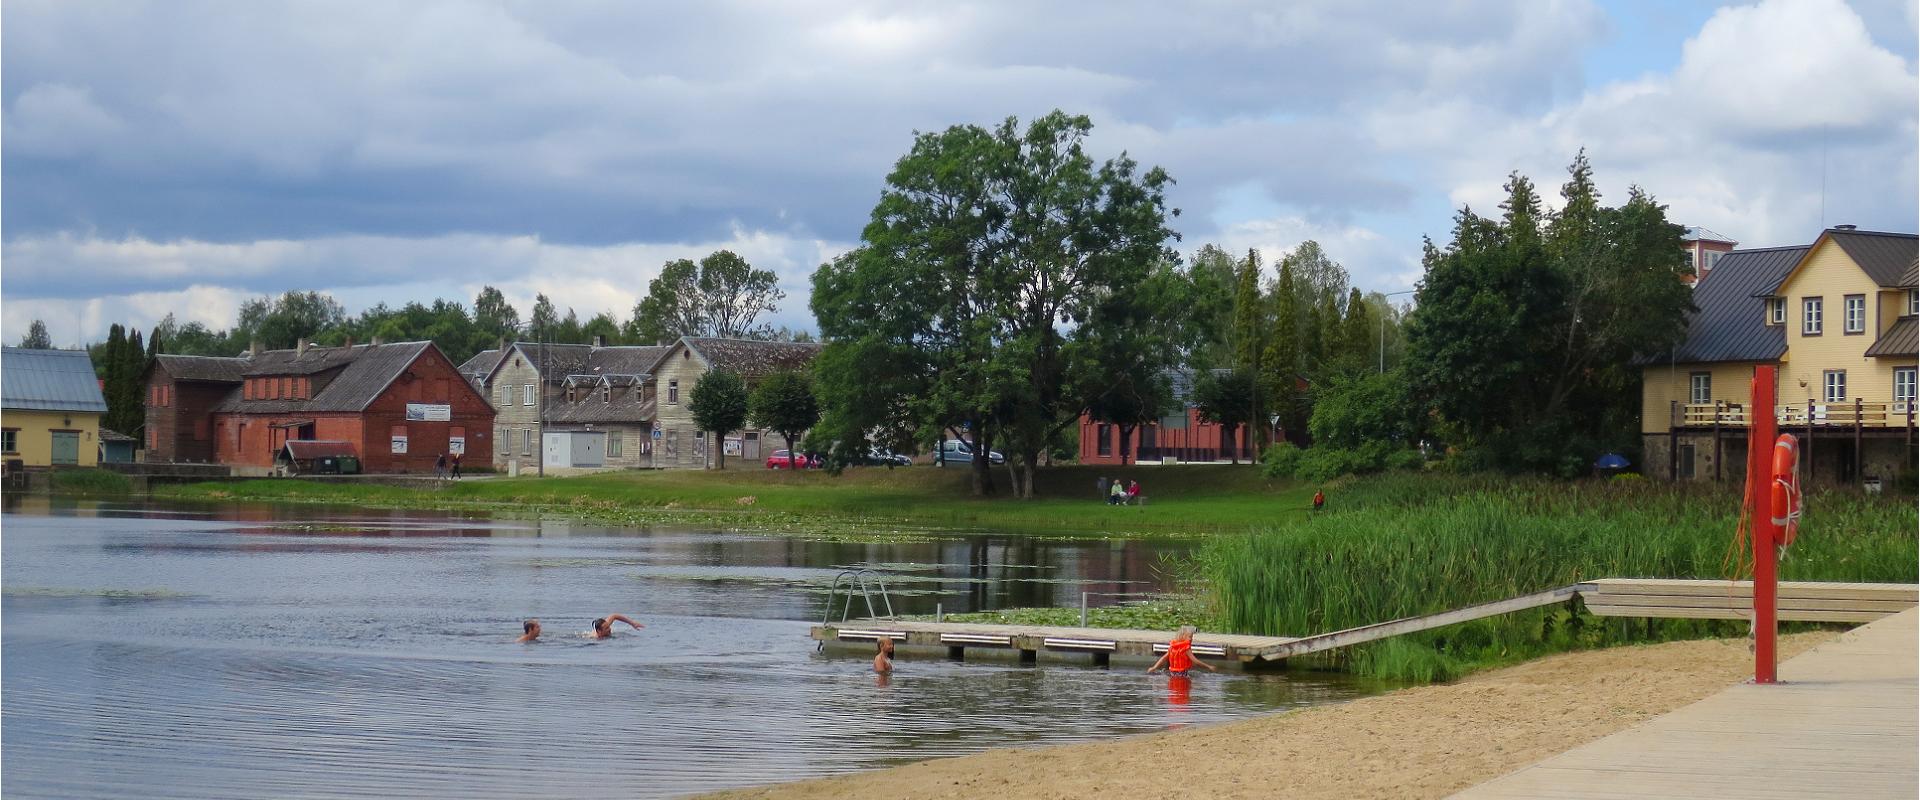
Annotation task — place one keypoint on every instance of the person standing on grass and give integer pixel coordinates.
(440, 467)
(1319, 499)
(1179, 656)
(1102, 483)
(456, 466)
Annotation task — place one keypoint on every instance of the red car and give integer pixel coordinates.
(781, 459)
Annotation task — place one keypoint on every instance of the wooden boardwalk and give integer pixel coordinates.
(1843, 725)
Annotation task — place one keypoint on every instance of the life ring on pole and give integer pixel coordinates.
(1786, 487)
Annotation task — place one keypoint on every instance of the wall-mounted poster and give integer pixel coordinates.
(400, 443)
(429, 412)
(457, 445)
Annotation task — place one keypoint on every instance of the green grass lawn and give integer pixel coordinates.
(1185, 499)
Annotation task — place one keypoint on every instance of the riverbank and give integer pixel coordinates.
(1182, 500)
(1426, 741)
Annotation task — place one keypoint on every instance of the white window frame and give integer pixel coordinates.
(1777, 311)
(673, 393)
(1812, 316)
(699, 444)
(527, 437)
(1913, 302)
(1833, 386)
(1904, 384)
(1700, 388)
(616, 443)
(1713, 259)
(526, 394)
(1854, 313)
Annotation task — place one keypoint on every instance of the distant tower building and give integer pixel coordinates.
(1704, 249)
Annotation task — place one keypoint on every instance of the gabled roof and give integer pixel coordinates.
(294, 362)
(1885, 257)
(752, 357)
(1699, 234)
(49, 380)
(623, 409)
(366, 371)
(1911, 278)
(1903, 339)
(215, 369)
(481, 363)
(1730, 323)
(636, 360)
(553, 361)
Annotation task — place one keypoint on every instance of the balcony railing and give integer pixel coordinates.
(1857, 413)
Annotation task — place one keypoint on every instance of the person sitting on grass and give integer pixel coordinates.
(1133, 494)
(1179, 656)
(529, 631)
(883, 656)
(603, 627)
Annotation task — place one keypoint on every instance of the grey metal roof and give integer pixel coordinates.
(1903, 339)
(365, 371)
(293, 362)
(1699, 234)
(623, 409)
(636, 360)
(1730, 323)
(481, 363)
(49, 380)
(752, 357)
(1885, 257)
(216, 369)
(1911, 277)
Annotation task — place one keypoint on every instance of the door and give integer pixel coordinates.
(590, 450)
(66, 447)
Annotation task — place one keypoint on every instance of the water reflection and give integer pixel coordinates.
(271, 651)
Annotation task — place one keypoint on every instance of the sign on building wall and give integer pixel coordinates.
(429, 412)
(457, 445)
(733, 447)
(399, 444)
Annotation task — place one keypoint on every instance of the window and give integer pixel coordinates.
(1713, 258)
(616, 443)
(673, 444)
(1688, 260)
(1854, 307)
(1149, 436)
(1686, 461)
(153, 438)
(699, 444)
(504, 436)
(1700, 388)
(673, 392)
(606, 394)
(1776, 311)
(10, 440)
(1903, 385)
(1836, 386)
(1103, 434)
(526, 395)
(526, 442)
(1810, 316)
(506, 395)
(1913, 302)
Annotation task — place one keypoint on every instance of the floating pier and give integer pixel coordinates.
(1615, 597)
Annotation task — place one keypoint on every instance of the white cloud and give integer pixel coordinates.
(1374, 263)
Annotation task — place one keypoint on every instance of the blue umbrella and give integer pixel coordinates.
(1611, 461)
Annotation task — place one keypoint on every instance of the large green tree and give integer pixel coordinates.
(1526, 325)
(494, 319)
(784, 403)
(722, 295)
(37, 337)
(992, 262)
(280, 322)
(719, 405)
(1228, 401)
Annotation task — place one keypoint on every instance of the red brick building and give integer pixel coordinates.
(398, 406)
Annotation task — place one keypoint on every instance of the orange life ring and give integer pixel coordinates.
(1786, 487)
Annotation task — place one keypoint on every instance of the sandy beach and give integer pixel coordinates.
(1427, 741)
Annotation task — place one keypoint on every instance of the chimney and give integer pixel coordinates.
(376, 342)
(300, 348)
(599, 341)
(1845, 227)
(500, 344)
(349, 344)
(253, 348)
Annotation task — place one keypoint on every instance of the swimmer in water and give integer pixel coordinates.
(883, 658)
(529, 631)
(603, 627)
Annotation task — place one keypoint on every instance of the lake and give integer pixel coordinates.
(258, 651)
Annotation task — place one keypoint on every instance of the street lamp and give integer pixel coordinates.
(1383, 327)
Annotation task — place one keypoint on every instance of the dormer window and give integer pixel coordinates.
(1776, 311)
(606, 393)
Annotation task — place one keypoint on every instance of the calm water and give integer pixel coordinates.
(249, 653)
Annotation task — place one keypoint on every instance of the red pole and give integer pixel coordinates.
(1766, 535)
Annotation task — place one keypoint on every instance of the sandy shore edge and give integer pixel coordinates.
(1427, 741)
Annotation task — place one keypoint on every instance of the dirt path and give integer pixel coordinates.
(1423, 742)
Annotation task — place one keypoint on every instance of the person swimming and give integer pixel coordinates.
(603, 627)
(529, 631)
(883, 656)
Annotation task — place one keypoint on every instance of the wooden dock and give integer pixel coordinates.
(1842, 725)
(1620, 597)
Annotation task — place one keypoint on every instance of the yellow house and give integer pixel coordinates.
(50, 412)
(1837, 317)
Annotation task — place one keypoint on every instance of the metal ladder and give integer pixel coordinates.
(857, 578)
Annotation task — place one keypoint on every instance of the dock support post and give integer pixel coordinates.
(956, 653)
(939, 612)
(1102, 659)
(1029, 656)
(1766, 534)
(1083, 609)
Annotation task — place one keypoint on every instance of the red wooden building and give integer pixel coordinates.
(1182, 437)
(400, 406)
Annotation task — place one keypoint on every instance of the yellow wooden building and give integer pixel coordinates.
(50, 414)
(1837, 318)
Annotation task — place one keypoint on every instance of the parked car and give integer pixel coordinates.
(782, 459)
(888, 458)
(956, 451)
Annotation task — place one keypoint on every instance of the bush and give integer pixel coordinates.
(90, 481)
(1356, 411)
(1280, 461)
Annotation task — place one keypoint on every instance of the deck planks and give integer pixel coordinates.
(1841, 725)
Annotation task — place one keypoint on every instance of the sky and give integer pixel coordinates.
(186, 156)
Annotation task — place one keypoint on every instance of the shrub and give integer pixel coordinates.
(1280, 461)
(90, 481)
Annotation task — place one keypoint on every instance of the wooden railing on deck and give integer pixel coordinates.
(1861, 412)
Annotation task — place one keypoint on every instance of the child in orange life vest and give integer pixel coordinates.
(1179, 657)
